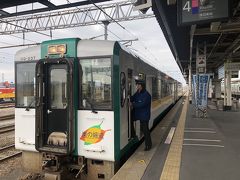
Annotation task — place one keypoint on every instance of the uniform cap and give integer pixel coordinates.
(139, 81)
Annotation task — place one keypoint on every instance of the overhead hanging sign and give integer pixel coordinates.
(201, 63)
(202, 11)
(200, 91)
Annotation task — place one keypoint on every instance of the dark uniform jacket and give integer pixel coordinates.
(141, 102)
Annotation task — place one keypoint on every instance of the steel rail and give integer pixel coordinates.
(4, 102)
(6, 105)
(7, 147)
(9, 106)
(7, 117)
(10, 156)
(2, 149)
(7, 128)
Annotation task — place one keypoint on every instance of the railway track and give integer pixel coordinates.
(7, 117)
(8, 152)
(7, 102)
(6, 105)
(7, 128)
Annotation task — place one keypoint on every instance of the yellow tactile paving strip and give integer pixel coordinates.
(171, 167)
(135, 166)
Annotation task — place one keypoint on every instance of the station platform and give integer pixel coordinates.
(201, 148)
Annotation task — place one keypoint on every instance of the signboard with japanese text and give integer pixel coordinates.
(203, 90)
(96, 135)
(200, 88)
(201, 63)
(194, 89)
(200, 11)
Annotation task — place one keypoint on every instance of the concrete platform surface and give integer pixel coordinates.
(211, 146)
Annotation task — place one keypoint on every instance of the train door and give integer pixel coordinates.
(149, 84)
(131, 127)
(54, 111)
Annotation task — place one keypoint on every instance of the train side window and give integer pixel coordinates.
(96, 87)
(25, 84)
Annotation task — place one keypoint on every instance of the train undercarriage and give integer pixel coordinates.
(50, 166)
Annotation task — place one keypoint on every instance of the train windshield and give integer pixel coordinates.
(96, 83)
(25, 83)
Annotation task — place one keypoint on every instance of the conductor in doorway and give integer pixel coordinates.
(141, 103)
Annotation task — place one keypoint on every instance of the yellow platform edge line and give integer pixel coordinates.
(171, 167)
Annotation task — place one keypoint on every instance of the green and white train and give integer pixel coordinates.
(72, 113)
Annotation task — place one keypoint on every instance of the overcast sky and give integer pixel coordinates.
(152, 44)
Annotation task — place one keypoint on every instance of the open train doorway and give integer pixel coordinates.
(131, 122)
(54, 106)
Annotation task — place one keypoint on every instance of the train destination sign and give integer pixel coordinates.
(200, 11)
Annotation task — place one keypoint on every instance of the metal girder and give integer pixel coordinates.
(83, 16)
(47, 3)
(226, 28)
(8, 3)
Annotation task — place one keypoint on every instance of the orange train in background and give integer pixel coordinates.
(7, 91)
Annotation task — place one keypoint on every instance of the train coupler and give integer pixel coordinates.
(51, 162)
(48, 163)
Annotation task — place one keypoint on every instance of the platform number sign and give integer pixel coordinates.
(202, 11)
(187, 6)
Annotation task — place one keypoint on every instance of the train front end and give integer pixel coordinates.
(65, 109)
(46, 104)
(56, 104)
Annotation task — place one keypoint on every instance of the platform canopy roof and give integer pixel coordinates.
(222, 37)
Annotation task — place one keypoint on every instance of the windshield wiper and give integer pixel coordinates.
(92, 90)
(30, 105)
(91, 105)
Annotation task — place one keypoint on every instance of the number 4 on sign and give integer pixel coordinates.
(187, 6)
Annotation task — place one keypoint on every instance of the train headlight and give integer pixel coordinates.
(57, 49)
(52, 49)
(61, 49)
